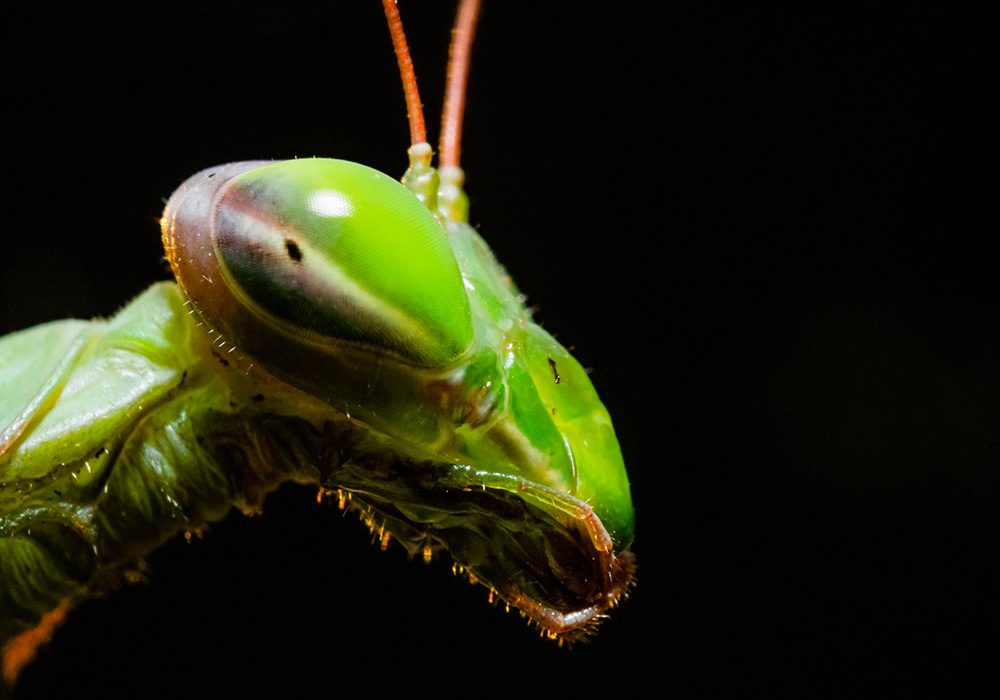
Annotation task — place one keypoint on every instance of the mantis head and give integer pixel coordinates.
(475, 430)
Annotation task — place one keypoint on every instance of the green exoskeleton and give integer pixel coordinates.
(332, 326)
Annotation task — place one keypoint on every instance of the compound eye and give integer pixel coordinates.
(342, 253)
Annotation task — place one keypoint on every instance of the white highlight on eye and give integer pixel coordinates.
(330, 203)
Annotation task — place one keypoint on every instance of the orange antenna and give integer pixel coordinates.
(458, 78)
(414, 109)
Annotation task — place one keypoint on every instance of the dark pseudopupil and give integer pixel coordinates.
(294, 253)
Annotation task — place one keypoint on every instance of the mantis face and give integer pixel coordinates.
(340, 282)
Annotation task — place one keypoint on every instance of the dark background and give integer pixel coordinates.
(760, 227)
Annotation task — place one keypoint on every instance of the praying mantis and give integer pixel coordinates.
(409, 352)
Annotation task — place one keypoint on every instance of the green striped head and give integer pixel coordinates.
(342, 283)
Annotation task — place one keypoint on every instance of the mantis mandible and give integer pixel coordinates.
(329, 326)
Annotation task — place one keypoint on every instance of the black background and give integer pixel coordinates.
(760, 227)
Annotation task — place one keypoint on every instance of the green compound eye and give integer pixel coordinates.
(343, 252)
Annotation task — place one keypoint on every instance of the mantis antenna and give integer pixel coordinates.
(414, 109)
(458, 77)
(440, 190)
